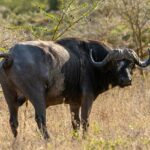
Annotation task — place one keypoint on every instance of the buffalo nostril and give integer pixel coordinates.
(130, 81)
(125, 82)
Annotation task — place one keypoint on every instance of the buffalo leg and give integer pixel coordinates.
(74, 109)
(85, 112)
(21, 100)
(37, 97)
(11, 99)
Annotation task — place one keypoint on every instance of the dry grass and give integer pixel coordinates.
(120, 119)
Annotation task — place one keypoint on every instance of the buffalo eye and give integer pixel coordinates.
(121, 65)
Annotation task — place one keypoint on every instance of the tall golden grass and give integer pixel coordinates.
(120, 119)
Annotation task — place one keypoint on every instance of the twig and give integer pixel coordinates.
(61, 19)
(75, 22)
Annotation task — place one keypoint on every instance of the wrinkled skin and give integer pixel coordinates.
(48, 74)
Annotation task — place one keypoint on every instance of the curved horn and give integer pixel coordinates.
(120, 54)
(139, 62)
(113, 55)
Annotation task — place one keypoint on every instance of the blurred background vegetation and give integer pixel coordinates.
(120, 23)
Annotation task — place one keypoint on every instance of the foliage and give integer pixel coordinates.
(136, 14)
(120, 23)
(49, 24)
(21, 6)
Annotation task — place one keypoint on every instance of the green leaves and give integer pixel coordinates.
(33, 16)
(72, 14)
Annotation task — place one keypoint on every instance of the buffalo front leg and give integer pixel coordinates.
(85, 112)
(75, 119)
(11, 99)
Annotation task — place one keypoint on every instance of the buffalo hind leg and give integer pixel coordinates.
(36, 96)
(11, 99)
(75, 119)
(40, 118)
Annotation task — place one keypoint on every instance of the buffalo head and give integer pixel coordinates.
(124, 61)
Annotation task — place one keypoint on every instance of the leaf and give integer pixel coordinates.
(51, 16)
(84, 5)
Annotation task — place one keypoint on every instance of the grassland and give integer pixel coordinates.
(120, 119)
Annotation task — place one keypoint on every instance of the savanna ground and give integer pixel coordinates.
(120, 118)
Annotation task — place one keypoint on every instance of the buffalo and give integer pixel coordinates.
(71, 71)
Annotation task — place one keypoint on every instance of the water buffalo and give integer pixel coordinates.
(70, 71)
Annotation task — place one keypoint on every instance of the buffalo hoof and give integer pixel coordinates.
(15, 133)
(85, 136)
(46, 136)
